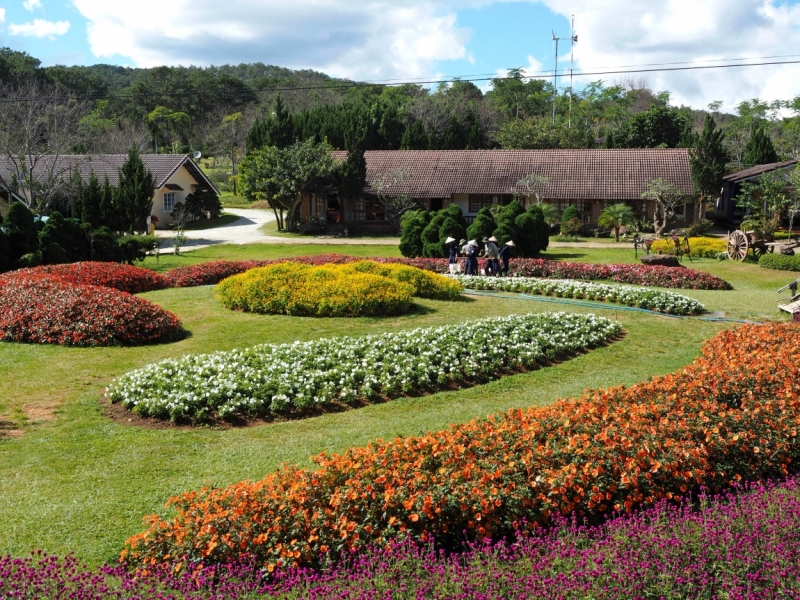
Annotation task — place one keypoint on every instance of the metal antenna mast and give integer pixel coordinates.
(556, 39)
(572, 39)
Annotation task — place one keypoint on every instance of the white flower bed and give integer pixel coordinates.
(269, 379)
(657, 300)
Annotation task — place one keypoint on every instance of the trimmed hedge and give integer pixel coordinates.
(780, 262)
(327, 291)
(733, 415)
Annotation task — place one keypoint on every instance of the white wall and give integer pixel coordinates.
(184, 179)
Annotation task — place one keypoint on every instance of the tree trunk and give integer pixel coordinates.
(663, 224)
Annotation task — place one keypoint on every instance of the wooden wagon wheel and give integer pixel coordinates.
(738, 245)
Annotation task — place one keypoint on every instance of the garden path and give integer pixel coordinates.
(246, 230)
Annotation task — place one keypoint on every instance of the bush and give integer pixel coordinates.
(328, 291)
(125, 278)
(483, 226)
(571, 222)
(699, 247)
(425, 284)
(700, 227)
(779, 262)
(725, 418)
(134, 248)
(40, 309)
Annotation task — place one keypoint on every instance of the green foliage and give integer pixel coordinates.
(483, 226)
(570, 214)
(62, 240)
(454, 212)
(541, 133)
(616, 216)
(351, 175)
(134, 195)
(657, 127)
(23, 236)
(276, 130)
(91, 200)
(432, 244)
(6, 261)
(134, 248)
(449, 228)
(759, 149)
(708, 158)
(203, 204)
(666, 196)
(533, 233)
(413, 223)
(779, 262)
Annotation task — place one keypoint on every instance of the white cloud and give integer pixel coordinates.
(2, 15)
(360, 39)
(614, 33)
(31, 4)
(40, 28)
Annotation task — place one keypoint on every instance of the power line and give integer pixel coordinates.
(350, 85)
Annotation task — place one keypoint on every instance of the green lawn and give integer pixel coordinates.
(80, 482)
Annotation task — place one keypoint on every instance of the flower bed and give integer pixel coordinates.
(699, 247)
(328, 291)
(741, 546)
(732, 415)
(125, 278)
(657, 300)
(42, 310)
(210, 273)
(271, 379)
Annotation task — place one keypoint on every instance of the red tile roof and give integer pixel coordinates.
(573, 174)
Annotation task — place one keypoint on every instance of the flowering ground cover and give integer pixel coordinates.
(699, 247)
(357, 289)
(737, 546)
(725, 418)
(669, 277)
(40, 309)
(657, 300)
(126, 278)
(282, 379)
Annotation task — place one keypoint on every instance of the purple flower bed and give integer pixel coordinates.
(734, 547)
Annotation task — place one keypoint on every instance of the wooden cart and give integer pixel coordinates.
(741, 242)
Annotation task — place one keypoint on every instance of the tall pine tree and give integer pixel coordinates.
(707, 159)
(135, 193)
(759, 149)
(276, 130)
(91, 196)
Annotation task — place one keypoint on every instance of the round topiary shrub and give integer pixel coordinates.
(326, 291)
(40, 309)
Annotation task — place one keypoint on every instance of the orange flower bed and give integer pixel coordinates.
(732, 415)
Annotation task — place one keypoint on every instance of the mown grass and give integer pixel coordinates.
(81, 482)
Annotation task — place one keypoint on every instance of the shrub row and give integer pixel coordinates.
(740, 546)
(125, 278)
(42, 310)
(288, 378)
(668, 277)
(699, 247)
(657, 300)
(732, 415)
(779, 262)
(300, 290)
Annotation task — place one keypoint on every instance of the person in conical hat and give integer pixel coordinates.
(493, 239)
(492, 255)
(505, 256)
(472, 258)
(452, 247)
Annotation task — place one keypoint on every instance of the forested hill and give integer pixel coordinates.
(212, 109)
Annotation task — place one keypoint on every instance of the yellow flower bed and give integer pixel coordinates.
(700, 247)
(351, 290)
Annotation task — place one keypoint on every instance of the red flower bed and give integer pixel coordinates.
(125, 278)
(733, 414)
(40, 309)
(668, 277)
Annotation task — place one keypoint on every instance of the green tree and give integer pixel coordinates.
(533, 234)
(202, 204)
(615, 217)
(168, 124)
(571, 221)
(759, 149)
(282, 176)
(23, 237)
(5, 251)
(134, 196)
(707, 160)
(109, 215)
(277, 130)
(666, 196)
(765, 200)
(91, 202)
(432, 246)
(414, 223)
(540, 133)
(657, 127)
(483, 225)
(518, 99)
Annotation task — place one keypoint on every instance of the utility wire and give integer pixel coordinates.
(349, 85)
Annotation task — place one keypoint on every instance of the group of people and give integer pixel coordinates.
(497, 259)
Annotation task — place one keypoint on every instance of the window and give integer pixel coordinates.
(368, 209)
(479, 201)
(169, 202)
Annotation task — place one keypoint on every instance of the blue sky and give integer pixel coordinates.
(383, 39)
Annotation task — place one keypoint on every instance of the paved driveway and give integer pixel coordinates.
(245, 230)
